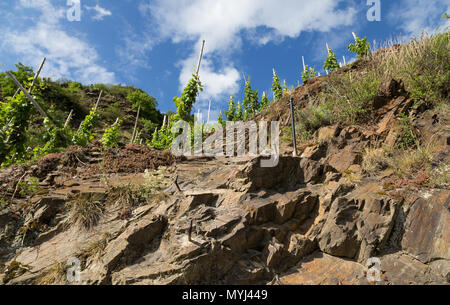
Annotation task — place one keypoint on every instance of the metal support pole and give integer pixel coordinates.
(190, 231)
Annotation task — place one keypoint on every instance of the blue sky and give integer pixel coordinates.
(154, 44)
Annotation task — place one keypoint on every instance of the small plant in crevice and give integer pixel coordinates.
(85, 210)
(54, 274)
(408, 137)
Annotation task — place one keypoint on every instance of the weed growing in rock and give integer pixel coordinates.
(85, 210)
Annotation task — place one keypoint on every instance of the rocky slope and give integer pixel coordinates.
(313, 219)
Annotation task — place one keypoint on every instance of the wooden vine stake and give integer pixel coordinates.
(200, 58)
(98, 101)
(36, 75)
(29, 97)
(345, 62)
(135, 124)
(303, 61)
(68, 118)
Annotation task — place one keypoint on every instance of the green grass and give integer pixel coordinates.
(423, 65)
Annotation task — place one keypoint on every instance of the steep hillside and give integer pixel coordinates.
(25, 134)
(371, 181)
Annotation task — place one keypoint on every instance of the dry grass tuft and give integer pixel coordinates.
(85, 210)
(412, 160)
(55, 274)
(96, 248)
(374, 160)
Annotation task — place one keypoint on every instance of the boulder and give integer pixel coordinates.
(358, 223)
(427, 237)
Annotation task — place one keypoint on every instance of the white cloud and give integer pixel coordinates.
(417, 16)
(100, 12)
(67, 56)
(226, 25)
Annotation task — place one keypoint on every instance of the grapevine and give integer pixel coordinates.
(276, 87)
(360, 47)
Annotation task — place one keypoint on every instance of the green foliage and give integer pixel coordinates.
(360, 47)
(285, 87)
(62, 99)
(15, 115)
(113, 111)
(428, 69)
(308, 73)
(189, 96)
(276, 87)
(351, 96)
(23, 74)
(28, 187)
(148, 105)
(220, 119)
(100, 87)
(331, 63)
(346, 99)
(75, 86)
(311, 118)
(265, 102)
(161, 139)
(251, 100)
(239, 115)
(137, 137)
(231, 113)
(408, 137)
(55, 139)
(111, 136)
(85, 134)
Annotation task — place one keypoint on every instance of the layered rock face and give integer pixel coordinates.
(230, 221)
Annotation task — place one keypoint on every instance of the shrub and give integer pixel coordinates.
(422, 64)
(24, 75)
(113, 111)
(146, 102)
(350, 96)
(74, 86)
(55, 139)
